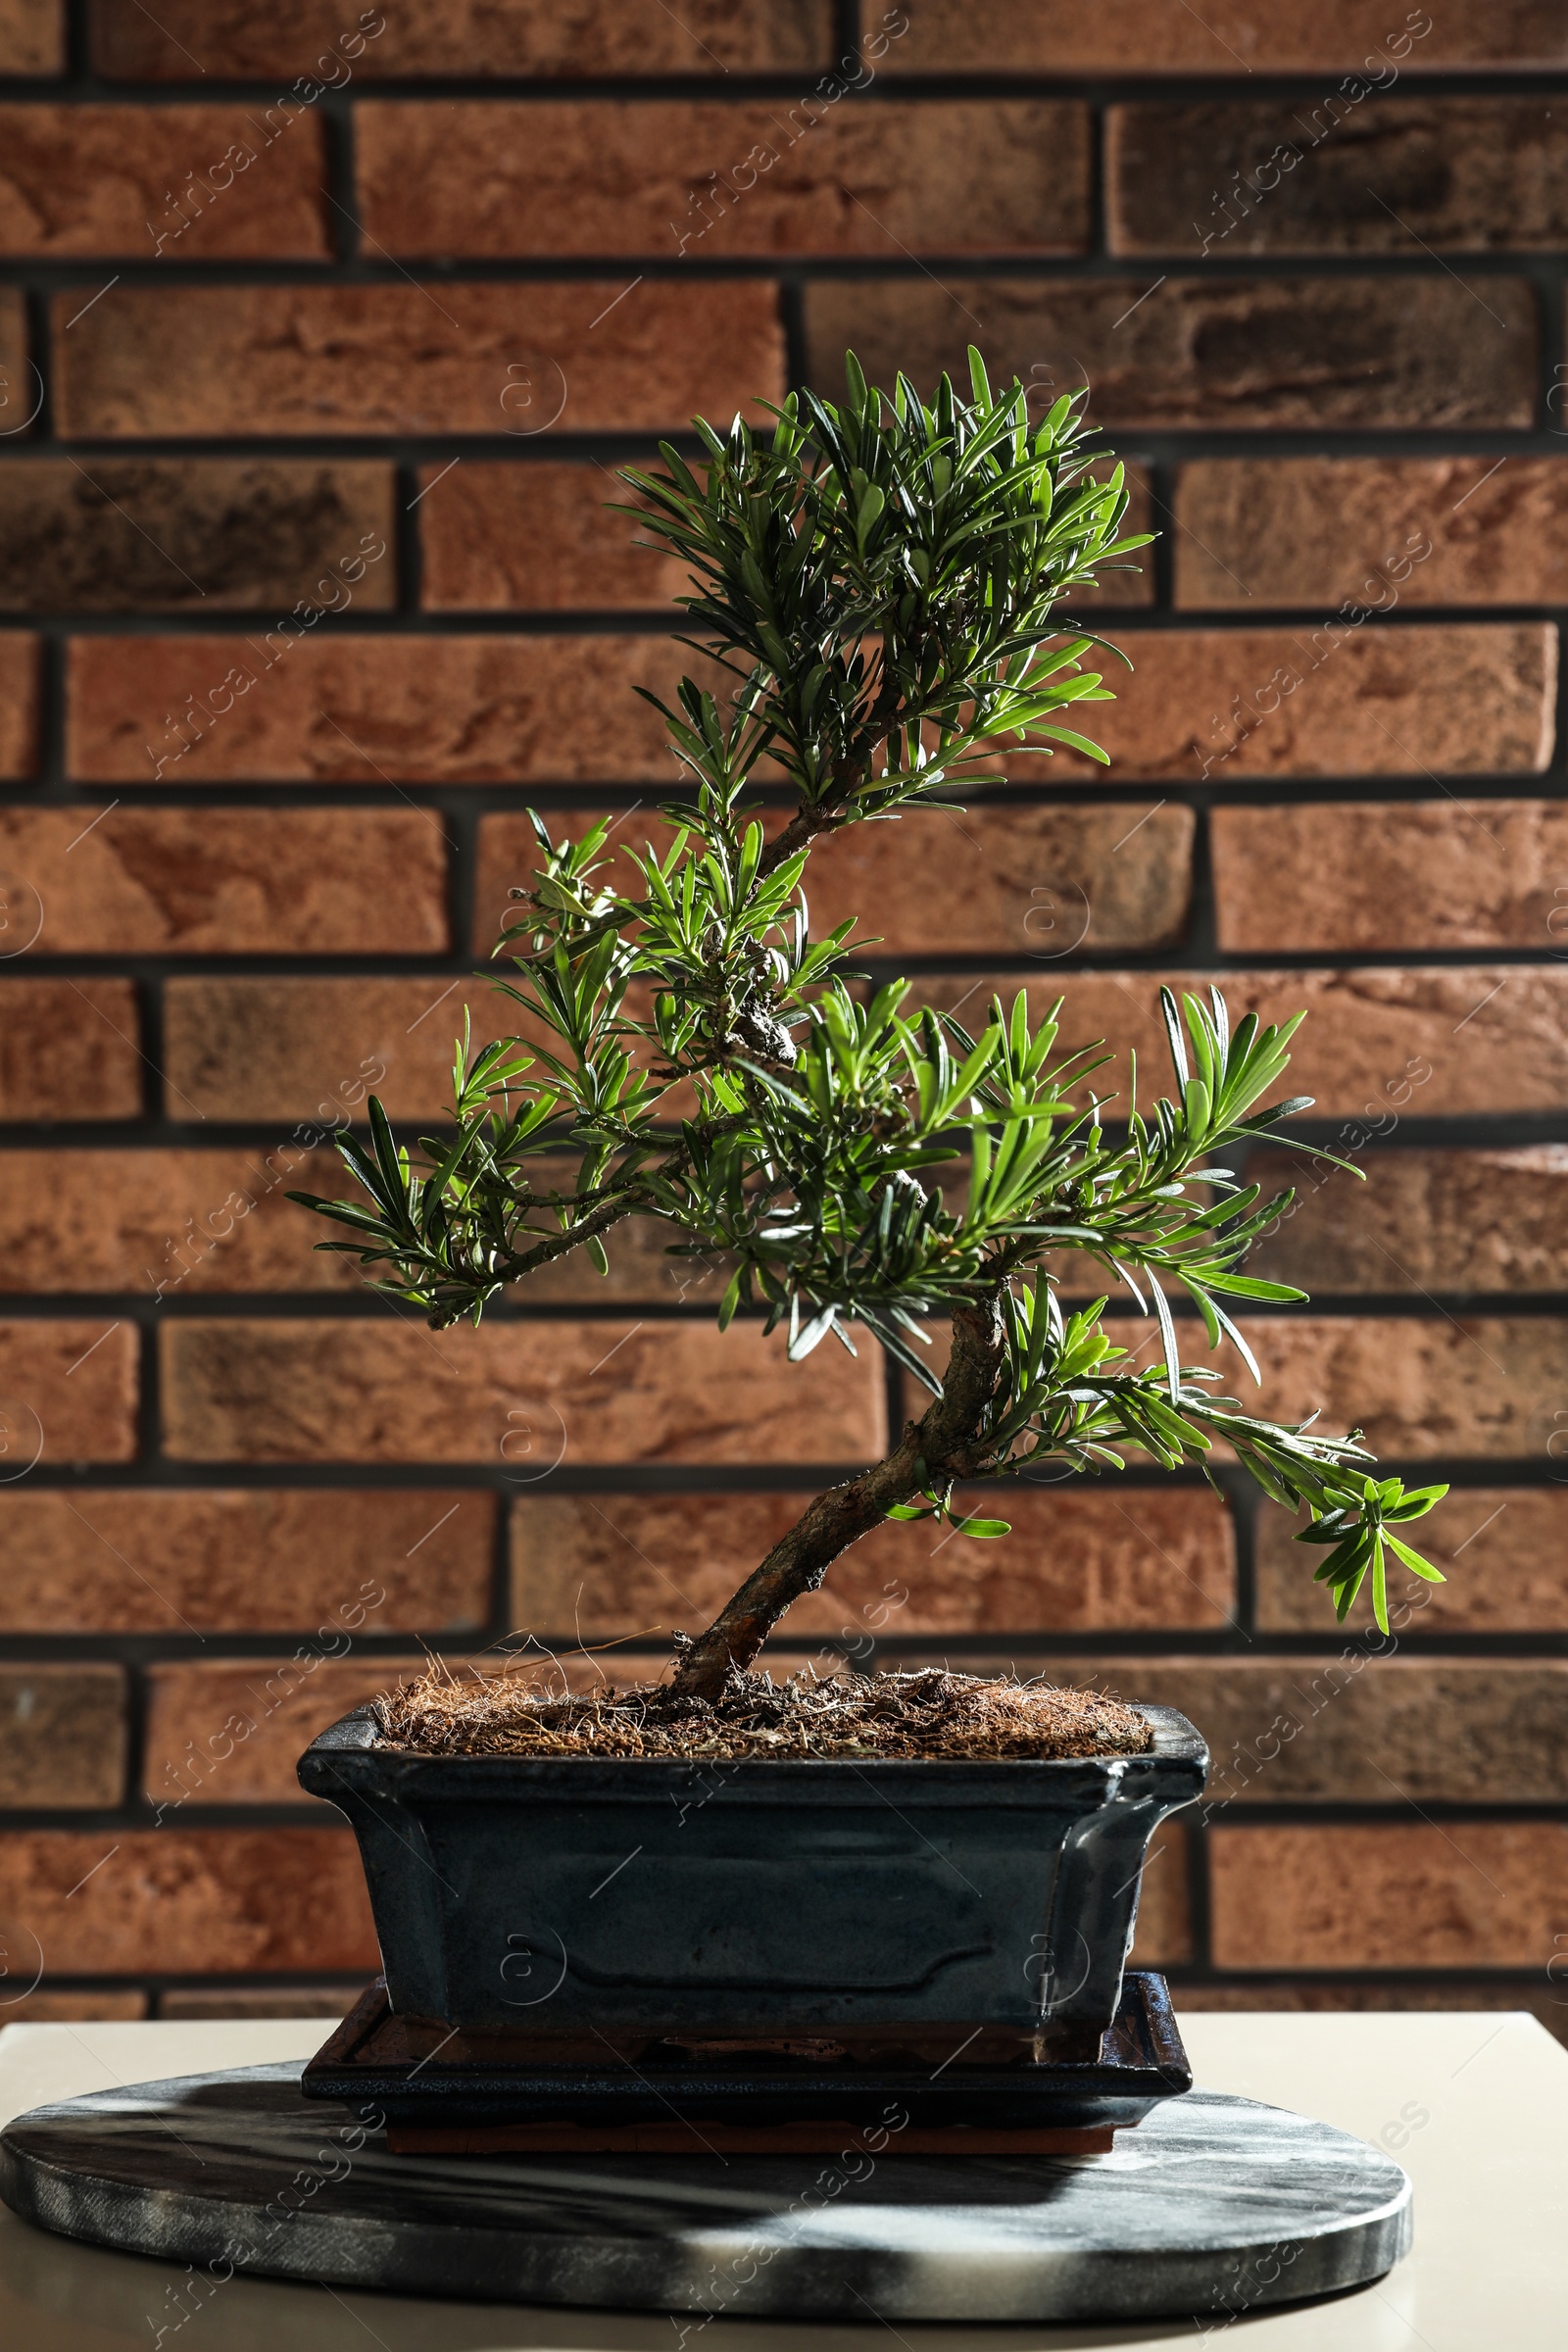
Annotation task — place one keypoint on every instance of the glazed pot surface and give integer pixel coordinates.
(574, 1895)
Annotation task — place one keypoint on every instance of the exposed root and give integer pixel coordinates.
(927, 1713)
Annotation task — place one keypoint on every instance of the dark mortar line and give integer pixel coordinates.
(1175, 92)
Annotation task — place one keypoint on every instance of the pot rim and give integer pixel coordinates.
(1176, 1740)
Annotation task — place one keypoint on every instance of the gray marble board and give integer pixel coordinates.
(1213, 2206)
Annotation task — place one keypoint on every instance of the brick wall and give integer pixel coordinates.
(343, 317)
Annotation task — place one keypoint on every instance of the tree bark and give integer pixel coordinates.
(939, 1446)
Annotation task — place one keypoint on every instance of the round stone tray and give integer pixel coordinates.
(1214, 2205)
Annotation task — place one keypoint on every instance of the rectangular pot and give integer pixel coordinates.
(571, 1897)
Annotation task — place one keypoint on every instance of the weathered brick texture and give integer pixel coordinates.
(19, 704)
(474, 37)
(1434, 874)
(620, 1565)
(538, 537)
(305, 1054)
(168, 183)
(1227, 178)
(62, 1735)
(179, 1901)
(168, 1224)
(1144, 36)
(1349, 1728)
(1314, 355)
(495, 179)
(496, 359)
(226, 881)
(107, 534)
(1481, 1386)
(292, 709)
(1420, 1221)
(229, 1732)
(67, 1392)
(1338, 699)
(332, 1563)
(517, 1398)
(1164, 1933)
(1479, 1894)
(68, 1049)
(32, 36)
(1318, 531)
(254, 2000)
(55, 2008)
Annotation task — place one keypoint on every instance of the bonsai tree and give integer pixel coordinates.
(879, 580)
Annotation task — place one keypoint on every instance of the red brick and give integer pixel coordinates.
(19, 704)
(230, 1731)
(672, 180)
(1437, 1042)
(346, 709)
(1230, 176)
(168, 1223)
(322, 360)
(1322, 530)
(1147, 36)
(1353, 1728)
(1036, 881)
(1502, 1549)
(228, 881)
(537, 538)
(1039, 881)
(388, 1392)
(122, 1902)
(21, 389)
(68, 1394)
(1218, 704)
(62, 1736)
(331, 1562)
(169, 534)
(1481, 1387)
(1164, 1934)
(1407, 874)
(1419, 1221)
(247, 2000)
(1301, 354)
(1469, 1895)
(47, 2008)
(619, 1565)
(478, 37)
(32, 36)
(69, 1049)
(308, 1051)
(139, 183)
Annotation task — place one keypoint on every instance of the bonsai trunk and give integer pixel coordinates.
(938, 1447)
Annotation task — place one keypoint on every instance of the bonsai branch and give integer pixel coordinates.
(556, 1244)
(943, 1445)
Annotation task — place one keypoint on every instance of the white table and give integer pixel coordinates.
(1473, 2103)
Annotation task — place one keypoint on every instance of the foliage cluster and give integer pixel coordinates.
(879, 579)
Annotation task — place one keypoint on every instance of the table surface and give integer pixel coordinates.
(1474, 2104)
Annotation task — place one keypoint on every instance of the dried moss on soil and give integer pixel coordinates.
(928, 1713)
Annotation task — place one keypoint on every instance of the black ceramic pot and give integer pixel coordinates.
(572, 1897)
